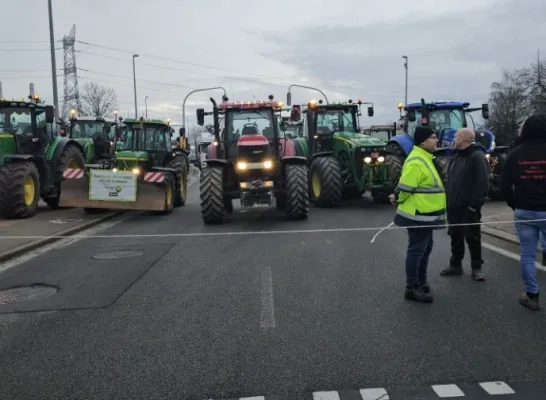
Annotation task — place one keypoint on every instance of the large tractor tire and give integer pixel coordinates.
(169, 195)
(19, 190)
(395, 164)
(325, 182)
(297, 192)
(71, 157)
(180, 165)
(212, 195)
(494, 192)
(442, 164)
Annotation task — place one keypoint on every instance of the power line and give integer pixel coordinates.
(19, 50)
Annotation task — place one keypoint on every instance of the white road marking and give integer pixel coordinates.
(448, 390)
(510, 254)
(60, 244)
(496, 388)
(326, 395)
(267, 315)
(374, 394)
(253, 398)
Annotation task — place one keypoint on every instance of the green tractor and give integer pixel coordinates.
(147, 174)
(96, 135)
(32, 156)
(344, 163)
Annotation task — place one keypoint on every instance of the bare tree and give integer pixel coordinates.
(97, 100)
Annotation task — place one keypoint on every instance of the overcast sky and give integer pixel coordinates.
(255, 48)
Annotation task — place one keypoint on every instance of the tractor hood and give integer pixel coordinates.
(360, 139)
(132, 155)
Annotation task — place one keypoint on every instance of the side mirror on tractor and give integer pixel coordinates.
(200, 116)
(50, 114)
(370, 111)
(411, 116)
(485, 111)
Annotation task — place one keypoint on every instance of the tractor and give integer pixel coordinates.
(383, 132)
(96, 135)
(445, 118)
(146, 174)
(344, 163)
(250, 161)
(33, 156)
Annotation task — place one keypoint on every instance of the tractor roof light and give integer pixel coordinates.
(400, 106)
(240, 105)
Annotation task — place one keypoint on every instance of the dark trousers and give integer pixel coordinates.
(470, 233)
(419, 249)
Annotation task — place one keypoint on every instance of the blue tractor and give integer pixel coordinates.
(445, 118)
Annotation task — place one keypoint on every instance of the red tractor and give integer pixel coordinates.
(252, 161)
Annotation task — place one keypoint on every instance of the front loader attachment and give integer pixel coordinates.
(110, 189)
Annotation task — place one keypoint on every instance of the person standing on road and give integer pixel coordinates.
(466, 189)
(421, 200)
(523, 186)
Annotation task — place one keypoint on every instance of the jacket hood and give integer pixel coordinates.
(534, 128)
(474, 147)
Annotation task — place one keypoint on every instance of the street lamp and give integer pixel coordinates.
(134, 83)
(146, 106)
(406, 67)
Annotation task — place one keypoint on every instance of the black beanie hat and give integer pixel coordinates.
(534, 127)
(422, 133)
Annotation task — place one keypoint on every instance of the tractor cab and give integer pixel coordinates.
(96, 135)
(383, 132)
(147, 145)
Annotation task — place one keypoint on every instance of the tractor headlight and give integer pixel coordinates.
(114, 170)
(136, 171)
(241, 165)
(488, 156)
(268, 164)
(367, 160)
(381, 159)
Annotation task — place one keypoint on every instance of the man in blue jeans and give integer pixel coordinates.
(523, 186)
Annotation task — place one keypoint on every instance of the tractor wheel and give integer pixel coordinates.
(325, 182)
(442, 163)
(297, 192)
(19, 190)
(212, 195)
(169, 196)
(494, 192)
(71, 157)
(394, 164)
(181, 182)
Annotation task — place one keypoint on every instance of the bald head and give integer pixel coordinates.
(464, 138)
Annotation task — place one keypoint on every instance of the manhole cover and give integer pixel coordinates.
(116, 255)
(26, 293)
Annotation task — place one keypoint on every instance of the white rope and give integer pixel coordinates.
(381, 229)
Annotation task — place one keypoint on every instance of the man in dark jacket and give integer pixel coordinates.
(523, 186)
(466, 189)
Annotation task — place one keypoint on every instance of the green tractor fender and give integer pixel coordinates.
(321, 154)
(18, 158)
(56, 149)
(294, 160)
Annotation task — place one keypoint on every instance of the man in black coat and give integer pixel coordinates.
(466, 189)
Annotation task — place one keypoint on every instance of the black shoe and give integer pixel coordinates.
(417, 294)
(425, 287)
(451, 270)
(530, 301)
(478, 275)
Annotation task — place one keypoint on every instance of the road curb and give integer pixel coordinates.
(17, 251)
(497, 233)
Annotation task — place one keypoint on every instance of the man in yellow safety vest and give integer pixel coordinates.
(421, 200)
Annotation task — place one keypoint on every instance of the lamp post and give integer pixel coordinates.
(53, 61)
(134, 84)
(406, 67)
(146, 106)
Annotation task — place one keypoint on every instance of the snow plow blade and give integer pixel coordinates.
(75, 192)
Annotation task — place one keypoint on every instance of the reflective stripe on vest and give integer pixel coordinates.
(437, 188)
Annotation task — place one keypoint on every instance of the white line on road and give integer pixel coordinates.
(267, 316)
(510, 254)
(60, 244)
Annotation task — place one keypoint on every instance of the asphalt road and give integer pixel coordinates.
(225, 311)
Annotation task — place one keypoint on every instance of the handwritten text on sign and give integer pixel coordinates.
(107, 185)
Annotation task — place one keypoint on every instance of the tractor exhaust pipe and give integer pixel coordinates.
(1, 94)
(31, 90)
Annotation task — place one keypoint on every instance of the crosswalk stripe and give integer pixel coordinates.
(496, 388)
(451, 390)
(374, 394)
(326, 395)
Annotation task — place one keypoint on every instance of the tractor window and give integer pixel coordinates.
(439, 120)
(245, 122)
(89, 129)
(15, 119)
(152, 138)
(338, 120)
